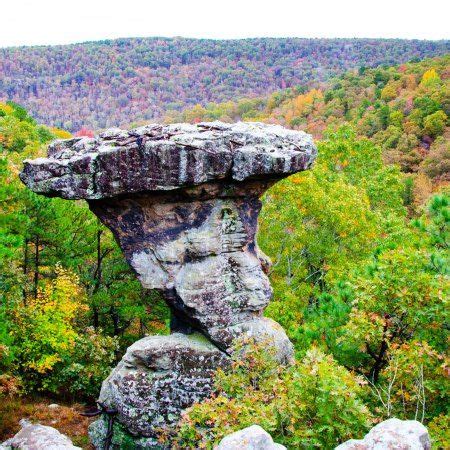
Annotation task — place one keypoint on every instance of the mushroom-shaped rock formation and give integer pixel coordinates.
(183, 201)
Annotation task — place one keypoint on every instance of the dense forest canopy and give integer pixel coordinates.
(404, 109)
(110, 83)
(360, 252)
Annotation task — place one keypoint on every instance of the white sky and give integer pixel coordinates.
(32, 22)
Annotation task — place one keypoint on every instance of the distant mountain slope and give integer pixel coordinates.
(108, 83)
(404, 109)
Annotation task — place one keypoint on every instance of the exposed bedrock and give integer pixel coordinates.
(158, 158)
(158, 377)
(183, 203)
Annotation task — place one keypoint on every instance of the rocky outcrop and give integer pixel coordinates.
(158, 158)
(38, 437)
(158, 377)
(392, 434)
(183, 202)
(250, 438)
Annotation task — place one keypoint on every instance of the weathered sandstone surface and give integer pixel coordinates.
(157, 157)
(159, 376)
(250, 438)
(183, 203)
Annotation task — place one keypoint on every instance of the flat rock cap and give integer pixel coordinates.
(166, 157)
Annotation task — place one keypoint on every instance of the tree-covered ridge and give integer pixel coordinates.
(360, 253)
(108, 83)
(404, 109)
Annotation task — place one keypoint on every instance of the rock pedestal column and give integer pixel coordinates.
(182, 201)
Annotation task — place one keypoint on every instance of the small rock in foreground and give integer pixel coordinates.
(250, 438)
(38, 437)
(392, 434)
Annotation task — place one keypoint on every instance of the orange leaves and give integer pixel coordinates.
(302, 105)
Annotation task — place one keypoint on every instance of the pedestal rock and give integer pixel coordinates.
(182, 202)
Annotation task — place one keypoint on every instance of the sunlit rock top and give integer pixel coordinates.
(166, 157)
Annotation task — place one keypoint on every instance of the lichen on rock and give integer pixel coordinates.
(158, 377)
(166, 157)
(250, 438)
(393, 434)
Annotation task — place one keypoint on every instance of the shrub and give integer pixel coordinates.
(82, 372)
(439, 429)
(314, 403)
(54, 350)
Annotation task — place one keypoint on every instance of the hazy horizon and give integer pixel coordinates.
(29, 23)
(224, 39)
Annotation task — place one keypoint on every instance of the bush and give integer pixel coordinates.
(439, 429)
(315, 403)
(88, 365)
(55, 353)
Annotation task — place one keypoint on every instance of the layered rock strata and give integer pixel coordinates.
(183, 202)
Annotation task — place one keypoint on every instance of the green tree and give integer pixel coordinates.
(396, 300)
(434, 124)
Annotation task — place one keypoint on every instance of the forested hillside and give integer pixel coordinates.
(403, 109)
(110, 83)
(360, 252)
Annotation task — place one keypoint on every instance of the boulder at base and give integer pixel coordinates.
(392, 434)
(158, 377)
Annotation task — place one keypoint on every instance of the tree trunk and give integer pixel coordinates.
(95, 317)
(36, 267)
(25, 272)
(98, 278)
(98, 275)
(379, 363)
(115, 320)
(379, 358)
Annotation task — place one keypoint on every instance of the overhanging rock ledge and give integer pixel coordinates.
(157, 158)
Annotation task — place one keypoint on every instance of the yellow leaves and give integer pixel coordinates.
(6, 108)
(46, 324)
(430, 77)
(60, 134)
(45, 364)
(62, 296)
